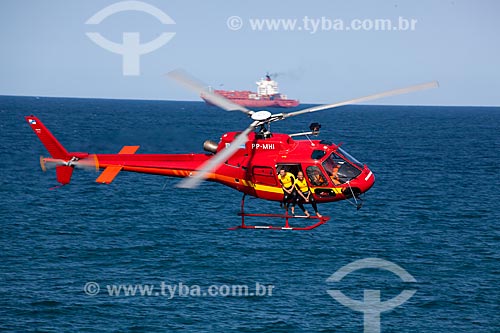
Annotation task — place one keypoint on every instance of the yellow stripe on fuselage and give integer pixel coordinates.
(267, 188)
(273, 189)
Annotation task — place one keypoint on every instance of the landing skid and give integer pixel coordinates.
(286, 216)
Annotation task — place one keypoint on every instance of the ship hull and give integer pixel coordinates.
(262, 103)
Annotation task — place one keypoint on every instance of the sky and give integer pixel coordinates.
(45, 49)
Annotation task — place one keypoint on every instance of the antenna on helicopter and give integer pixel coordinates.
(314, 127)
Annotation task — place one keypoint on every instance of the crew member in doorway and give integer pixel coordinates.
(304, 194)
(287, 181)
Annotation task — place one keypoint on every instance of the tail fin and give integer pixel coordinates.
(54, 147)
(64, 174)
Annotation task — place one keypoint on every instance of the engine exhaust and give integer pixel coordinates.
(210, 146)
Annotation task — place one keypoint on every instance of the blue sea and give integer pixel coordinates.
(433, 211)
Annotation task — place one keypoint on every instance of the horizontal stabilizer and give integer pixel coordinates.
(129, 149)
(107, 176)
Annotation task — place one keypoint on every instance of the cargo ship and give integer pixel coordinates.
(267, 95)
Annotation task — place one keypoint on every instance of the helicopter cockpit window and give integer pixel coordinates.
(339, 170)
(351, 158)
(318, 154)
(316, 177)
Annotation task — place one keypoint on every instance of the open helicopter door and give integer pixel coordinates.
(293, 168)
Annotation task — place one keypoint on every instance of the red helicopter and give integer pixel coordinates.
(248, 161)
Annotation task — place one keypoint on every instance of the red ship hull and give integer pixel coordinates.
(245, 98)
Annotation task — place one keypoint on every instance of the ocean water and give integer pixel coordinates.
(434, 211)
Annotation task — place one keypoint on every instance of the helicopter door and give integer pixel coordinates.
(264, 176)
(292, 168)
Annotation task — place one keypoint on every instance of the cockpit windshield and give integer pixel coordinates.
(339, 169)
(350, 157)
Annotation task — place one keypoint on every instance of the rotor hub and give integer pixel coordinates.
(261, 115)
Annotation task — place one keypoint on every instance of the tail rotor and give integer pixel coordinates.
(89, 163)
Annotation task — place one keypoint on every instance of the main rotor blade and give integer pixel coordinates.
(394, 92)
(218, 159)
(199, 87)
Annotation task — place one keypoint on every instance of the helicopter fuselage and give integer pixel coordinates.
(331, 173)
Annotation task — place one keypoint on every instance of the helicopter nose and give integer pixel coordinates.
(367, 179)
(362, 183)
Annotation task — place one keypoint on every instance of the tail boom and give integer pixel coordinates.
(173, 165)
